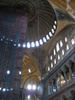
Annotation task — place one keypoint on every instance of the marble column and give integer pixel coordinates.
(46, 88)
(55, 83)
(51, 88)
(65, 75)
(59, 75)
(68, 64)
(70, 70)
(52, 85)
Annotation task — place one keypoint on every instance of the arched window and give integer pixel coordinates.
(62, 52)
(48, 68)
(54, 52)
(50, 34)
(72, 41)
(67, 47)
(51, 57)
(51, 65)
(57, 47)
(61, 43)
(66, 39)
(58, 57)
(54, 61)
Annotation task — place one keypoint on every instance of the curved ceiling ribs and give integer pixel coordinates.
(41, 18)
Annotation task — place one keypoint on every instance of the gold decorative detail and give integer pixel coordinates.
(70, 8)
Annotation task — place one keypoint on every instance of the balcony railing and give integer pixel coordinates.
(56, 91)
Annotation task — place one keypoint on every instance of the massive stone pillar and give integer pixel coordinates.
(13, 26)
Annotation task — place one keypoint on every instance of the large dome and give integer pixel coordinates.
(41, 21)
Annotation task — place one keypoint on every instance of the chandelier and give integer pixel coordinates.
(70, 8)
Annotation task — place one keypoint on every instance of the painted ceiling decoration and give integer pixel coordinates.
(62, 3)
(42, 21)
(62, 15)
(66, 5)
(59, 3)
(70, 8)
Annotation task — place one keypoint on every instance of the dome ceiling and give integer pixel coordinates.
(42, 22)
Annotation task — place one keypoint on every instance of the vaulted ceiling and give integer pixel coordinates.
(42, 23)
